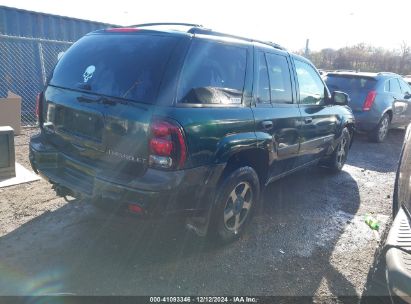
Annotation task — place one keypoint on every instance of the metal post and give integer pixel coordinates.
(43, 68)
(307, 50)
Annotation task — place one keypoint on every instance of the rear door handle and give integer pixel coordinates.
(308, 120)
(267, 124)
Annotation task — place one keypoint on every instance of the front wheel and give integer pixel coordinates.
(235, 201)
(337, 159)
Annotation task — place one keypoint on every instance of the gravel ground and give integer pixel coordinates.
(308, 238)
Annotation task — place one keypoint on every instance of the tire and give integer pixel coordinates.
(379, 134)
(235, 200)
(336, 161)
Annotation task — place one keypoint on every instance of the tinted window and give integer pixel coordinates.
(394, 86)
(349, 84)
(280, 80)
(405, 88)
(213, 73)
(262, 82)
(310, 85)
(126, 66)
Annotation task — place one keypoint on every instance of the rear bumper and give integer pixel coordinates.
(398, 262)
(366, 121)
(157, 192)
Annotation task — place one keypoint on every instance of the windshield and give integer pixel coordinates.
(124, 66)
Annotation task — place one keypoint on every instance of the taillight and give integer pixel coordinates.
(134, 208)
(167, 145)
(122, 29)
(369, 100)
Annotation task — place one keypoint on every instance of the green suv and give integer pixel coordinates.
(160, 119)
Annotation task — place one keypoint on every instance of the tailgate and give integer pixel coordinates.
(356, 86)
(110, 136)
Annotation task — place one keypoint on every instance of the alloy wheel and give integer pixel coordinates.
(342, 152)
(382, 132)
(238, 206)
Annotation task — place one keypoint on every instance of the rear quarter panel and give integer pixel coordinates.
(368, 120)
(382, 104)
(213, 134)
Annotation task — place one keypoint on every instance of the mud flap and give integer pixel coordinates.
(199, 224)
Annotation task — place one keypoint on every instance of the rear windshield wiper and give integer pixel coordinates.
(111, 102)
(102, 100)
(88, 99)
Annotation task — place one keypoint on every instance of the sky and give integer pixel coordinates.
(327, 24)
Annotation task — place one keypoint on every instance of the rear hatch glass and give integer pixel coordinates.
(349, 83)
(123, 66)
(99, 100)
(357, 87)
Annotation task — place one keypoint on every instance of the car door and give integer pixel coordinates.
(399, 103)
(406, 96)
(276, 113)
(319, 121)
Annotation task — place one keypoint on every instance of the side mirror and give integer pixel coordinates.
(407, 95)
(340, 98)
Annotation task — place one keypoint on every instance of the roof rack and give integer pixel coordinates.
(199, 29)
(167, 23)
(345, 71)
(386, 73)
(202, 30)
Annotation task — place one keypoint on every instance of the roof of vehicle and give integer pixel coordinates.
(301, 58)
(363, 74)
(191, 29)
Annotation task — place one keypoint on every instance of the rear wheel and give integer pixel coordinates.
(235, 201)
(380, 132)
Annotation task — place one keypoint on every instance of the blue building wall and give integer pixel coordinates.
(25, 60)
(18, 22)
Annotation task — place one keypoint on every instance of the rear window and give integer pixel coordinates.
(349, 84)
(124, 66)
(213, 73)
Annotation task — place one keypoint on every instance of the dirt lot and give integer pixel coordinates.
(309, 239)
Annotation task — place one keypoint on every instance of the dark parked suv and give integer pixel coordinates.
(379, 100)
(398, 244)
(162, 121)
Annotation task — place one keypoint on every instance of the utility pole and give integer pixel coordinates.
(307, 50)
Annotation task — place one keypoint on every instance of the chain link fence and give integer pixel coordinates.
(25, 64)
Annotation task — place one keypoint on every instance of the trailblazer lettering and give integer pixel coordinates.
(126, 156)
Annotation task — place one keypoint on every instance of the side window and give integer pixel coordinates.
(405, 88)
(395, 86)
(310, 85)
(213, 73)
(262, 82)
(280, 79)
